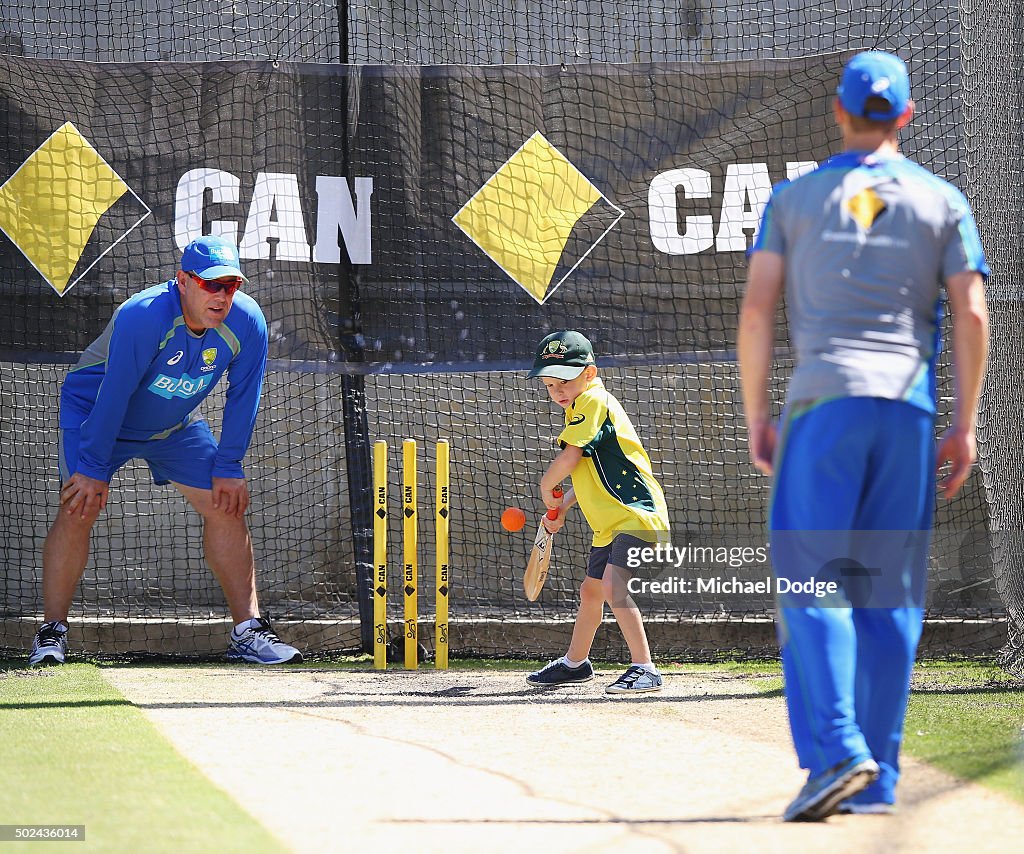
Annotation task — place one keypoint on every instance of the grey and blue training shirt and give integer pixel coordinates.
(868, 241)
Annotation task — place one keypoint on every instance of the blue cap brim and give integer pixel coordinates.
(218, 272)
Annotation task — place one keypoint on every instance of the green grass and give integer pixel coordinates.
(964, 717)
(968, 719)
(74, 751)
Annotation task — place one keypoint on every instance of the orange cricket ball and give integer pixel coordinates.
(513, 519)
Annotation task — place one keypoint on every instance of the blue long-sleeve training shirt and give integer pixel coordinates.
(146, 374)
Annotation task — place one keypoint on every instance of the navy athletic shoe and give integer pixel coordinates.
(258, 644)
(559, 673)
(50, 645)
(822, 795)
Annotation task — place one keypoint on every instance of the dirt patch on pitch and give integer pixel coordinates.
(470, 761)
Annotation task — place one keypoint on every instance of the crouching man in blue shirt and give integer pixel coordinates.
(131, 396)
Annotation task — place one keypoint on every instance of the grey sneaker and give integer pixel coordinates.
(260, 645)
(50, 645)
(559, 673)
(821, 795)
(636, 680)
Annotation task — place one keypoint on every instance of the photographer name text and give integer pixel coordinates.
(732, 585)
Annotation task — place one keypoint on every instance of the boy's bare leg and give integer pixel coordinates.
(588, 619)
(627, 615)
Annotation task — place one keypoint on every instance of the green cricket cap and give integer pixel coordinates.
(562, 355)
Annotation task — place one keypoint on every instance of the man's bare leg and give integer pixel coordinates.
(65, 554)
(228, 552)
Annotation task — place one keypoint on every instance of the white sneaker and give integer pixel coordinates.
(636, 680)
(50, 645)
(259, 644)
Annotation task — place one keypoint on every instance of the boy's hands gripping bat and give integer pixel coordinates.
(540, 556)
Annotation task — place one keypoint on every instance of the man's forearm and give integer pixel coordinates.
(970, 354)
(755, 345)
(756, 337)
(970, 348)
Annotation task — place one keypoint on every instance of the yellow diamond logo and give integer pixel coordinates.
(531, 211)
(51, 205)
(865, 208)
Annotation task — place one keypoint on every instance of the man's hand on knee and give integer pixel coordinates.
(83, 495)
(231, 495)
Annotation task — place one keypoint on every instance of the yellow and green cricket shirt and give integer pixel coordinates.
(614, 485)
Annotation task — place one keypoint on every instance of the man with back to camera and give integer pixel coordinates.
(863, 246)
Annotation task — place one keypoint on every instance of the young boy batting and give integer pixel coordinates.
(622, 502)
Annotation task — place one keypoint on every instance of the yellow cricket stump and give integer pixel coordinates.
(409, 575)
(380, 555)
(410, 579)
(441, 555)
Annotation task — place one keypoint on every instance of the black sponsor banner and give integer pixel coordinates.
(479, 206)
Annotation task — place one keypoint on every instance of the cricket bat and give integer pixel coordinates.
(540, 557)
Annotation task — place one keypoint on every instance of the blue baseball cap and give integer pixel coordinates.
(879, 74)
(211, 257)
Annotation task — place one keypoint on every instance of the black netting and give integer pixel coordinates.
(336, 144)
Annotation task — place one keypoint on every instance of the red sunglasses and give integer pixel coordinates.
(215, 286)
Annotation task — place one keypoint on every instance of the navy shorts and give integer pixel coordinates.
(615, 553)
(186, 456)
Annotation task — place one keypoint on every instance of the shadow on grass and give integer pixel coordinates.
(62, 704)
(1011, 689)
(964, 765)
